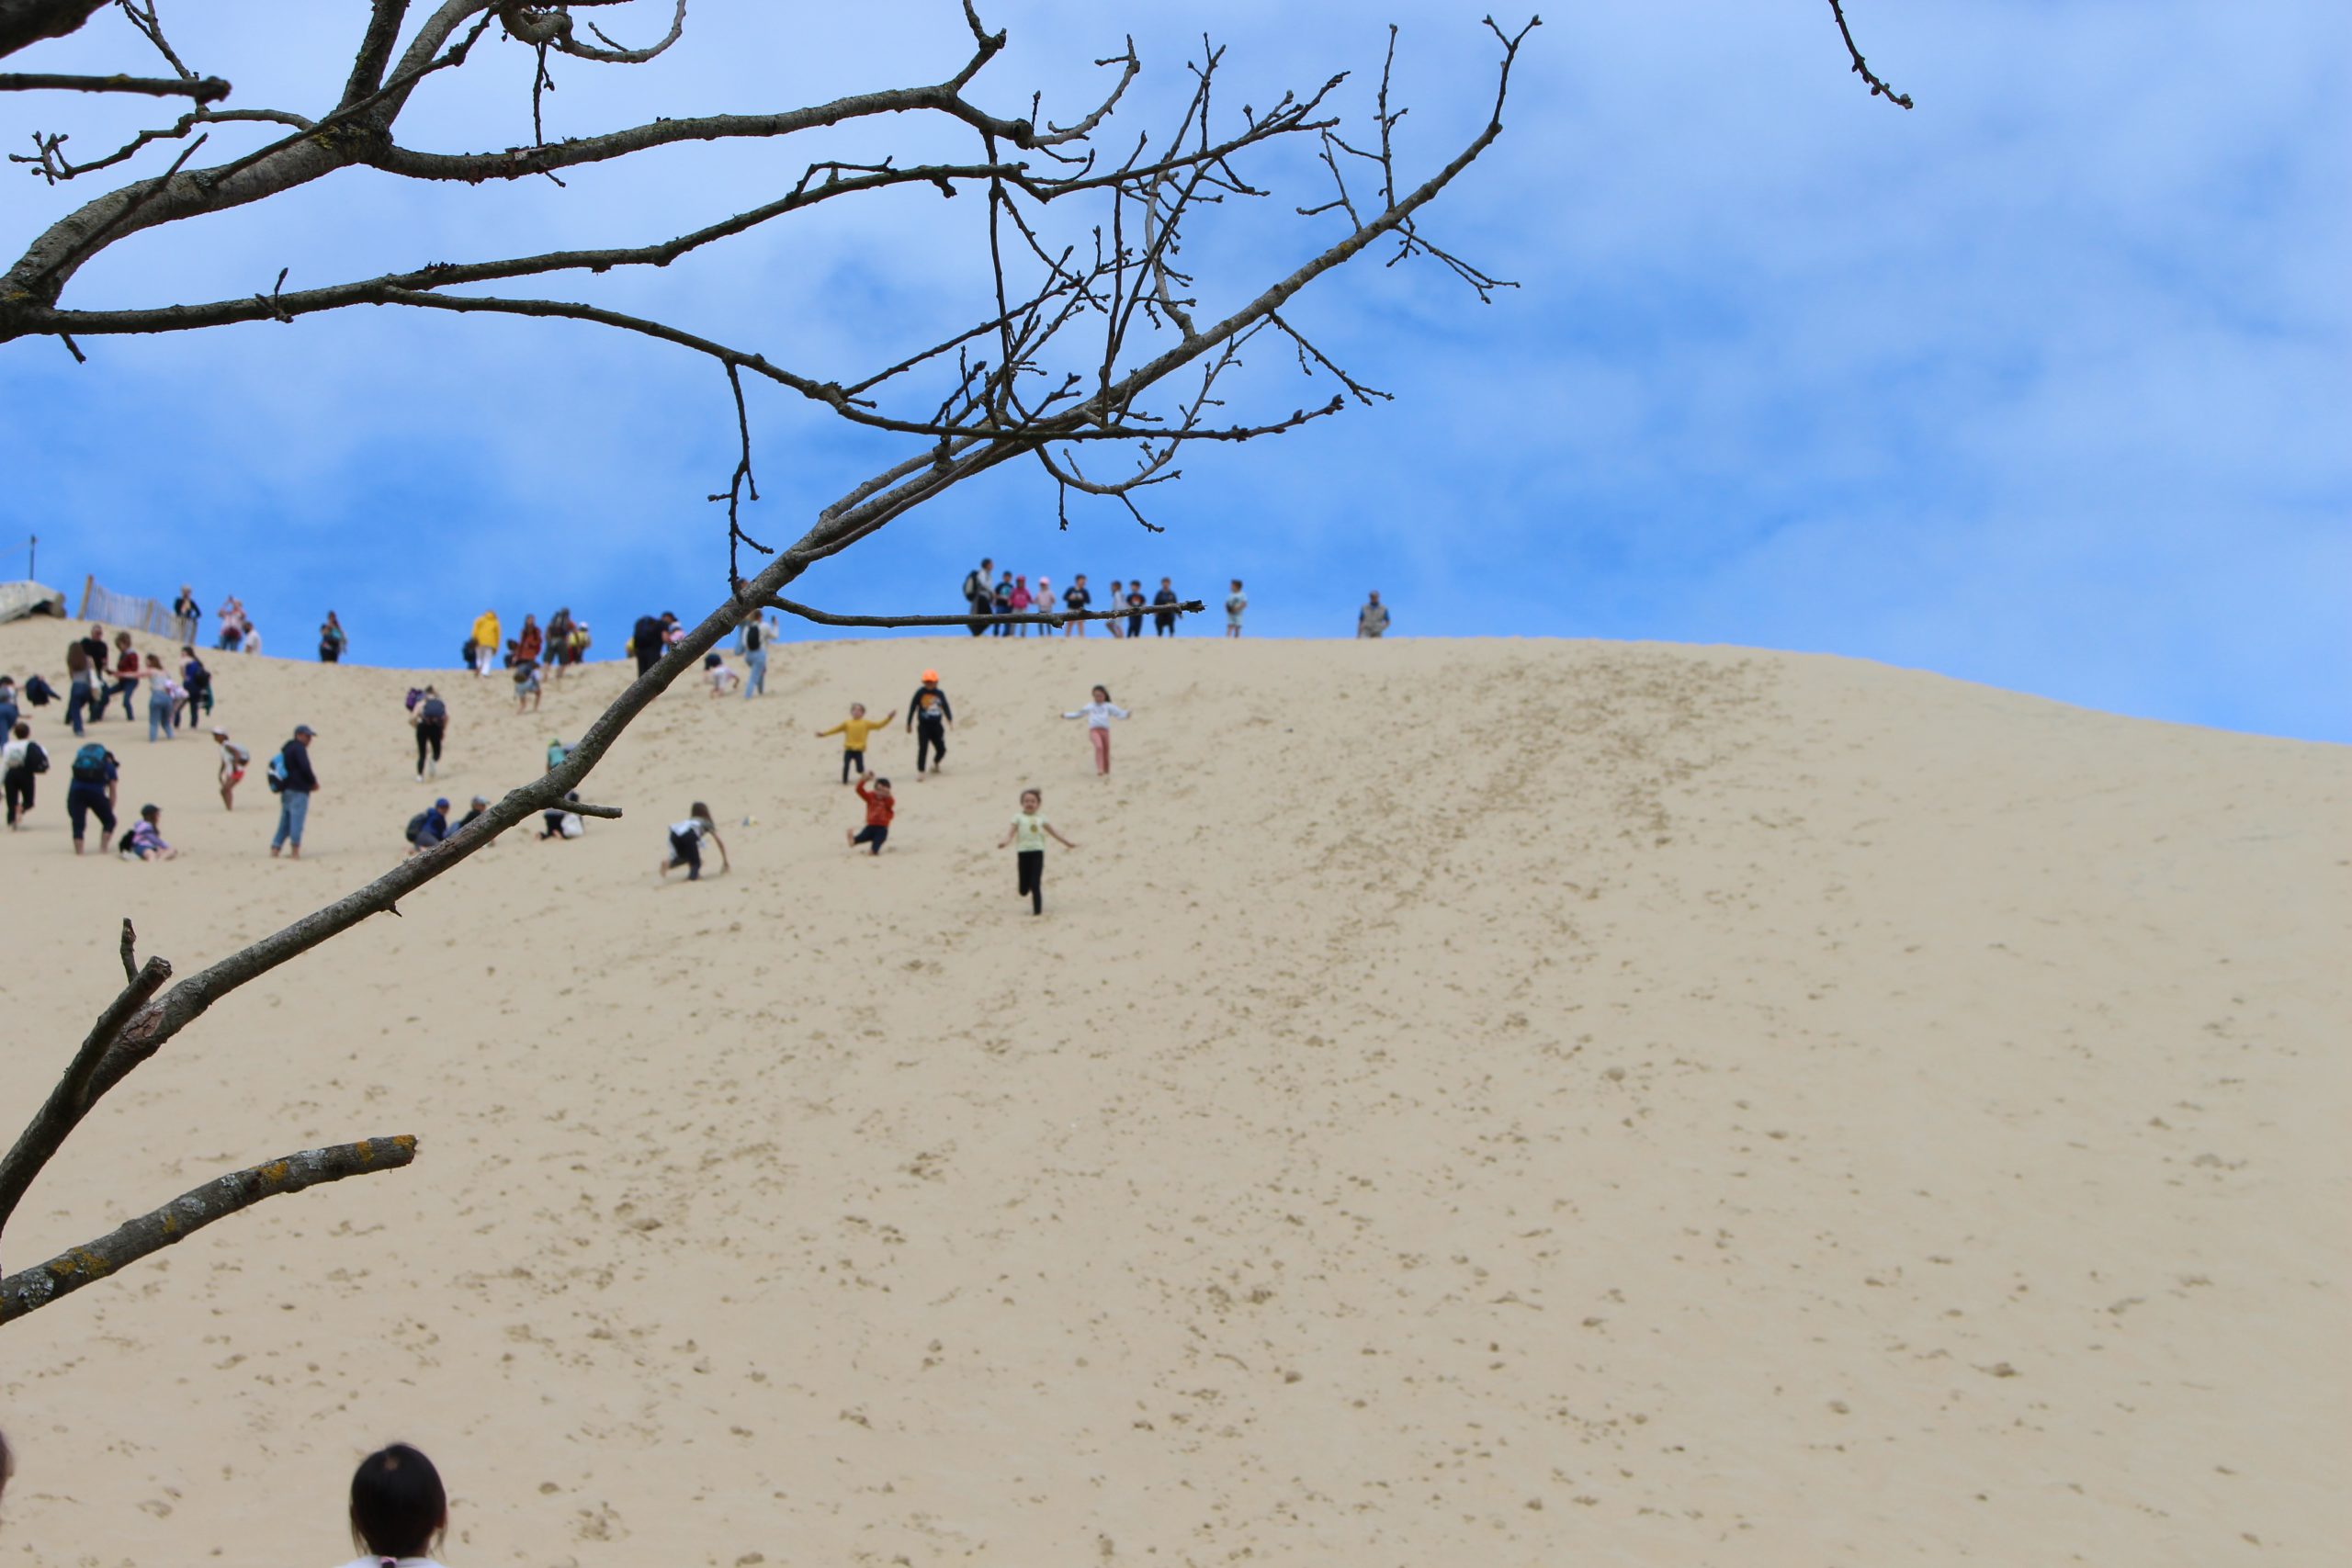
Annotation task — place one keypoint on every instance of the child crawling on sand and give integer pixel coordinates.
(1027, 834)
(685, 844)
(880, 807)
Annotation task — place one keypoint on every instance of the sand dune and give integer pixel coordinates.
(1467, 1102)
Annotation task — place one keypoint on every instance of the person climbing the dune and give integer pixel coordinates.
(685, 844)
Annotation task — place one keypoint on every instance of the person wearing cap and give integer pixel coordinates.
(233, 759)
(296, 783)
(930, 716)
(429, 827)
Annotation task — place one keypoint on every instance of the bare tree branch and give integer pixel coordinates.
(203, 89)
(29, 21)
(74, 1096)
(1039, 618)
(1861, 68)
(32, 1289)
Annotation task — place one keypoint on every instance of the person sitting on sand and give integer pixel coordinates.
(399, 1509)
(854, 731)
(428, 827)
(1027, 834)
(685, 844)
(722, 680)
(880, 807)
(558, 823)
(481, 804)
(145, 839)
(1098, 716)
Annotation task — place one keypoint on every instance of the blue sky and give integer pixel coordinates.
(2043, 384)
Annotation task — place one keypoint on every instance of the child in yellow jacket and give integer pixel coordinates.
(854, 731)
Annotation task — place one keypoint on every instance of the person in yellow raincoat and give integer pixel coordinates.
(486, 643)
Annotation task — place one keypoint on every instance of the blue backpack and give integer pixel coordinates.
(90, 764)
(275, 776)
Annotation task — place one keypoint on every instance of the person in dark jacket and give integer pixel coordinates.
(650, 640)
(296, 783)
(430, 826)
(928, 716)
(1163, 617)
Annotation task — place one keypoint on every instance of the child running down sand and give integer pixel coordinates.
(880, 807)
(1098, 716)
(685, 844)
(1027, 834)
(854, 731)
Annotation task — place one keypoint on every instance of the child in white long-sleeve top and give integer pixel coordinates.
(1098, 716)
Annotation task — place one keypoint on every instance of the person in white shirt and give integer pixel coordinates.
(16, 764)
(400, 1510)
(233, 759)
(685, 844)
(1098, 716)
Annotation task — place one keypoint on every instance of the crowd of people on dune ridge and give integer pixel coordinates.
(100, 671)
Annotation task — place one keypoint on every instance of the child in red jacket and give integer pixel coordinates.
(879, 807)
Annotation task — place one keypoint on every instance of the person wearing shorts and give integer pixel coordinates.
(233, 759)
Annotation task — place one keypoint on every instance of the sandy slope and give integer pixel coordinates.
(1480, 1102)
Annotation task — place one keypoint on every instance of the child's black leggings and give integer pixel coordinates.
(873, 833)
(853, 760)
(1032, 879)
(930, 741)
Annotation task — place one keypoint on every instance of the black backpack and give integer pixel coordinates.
(415, 826)
(40, 693)
(752, 638)
(36, 759)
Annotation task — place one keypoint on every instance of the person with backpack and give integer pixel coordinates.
(234, 761)
(929, 715)
(431, 718)
(755, 658)
(650, 640)
(90, 790)
(559, 651)
(293, 782)
(21, 761)
(979, 590)
(1163, 613)
(196, 685)
(145, 839)
(331, 642)
(428, 827)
